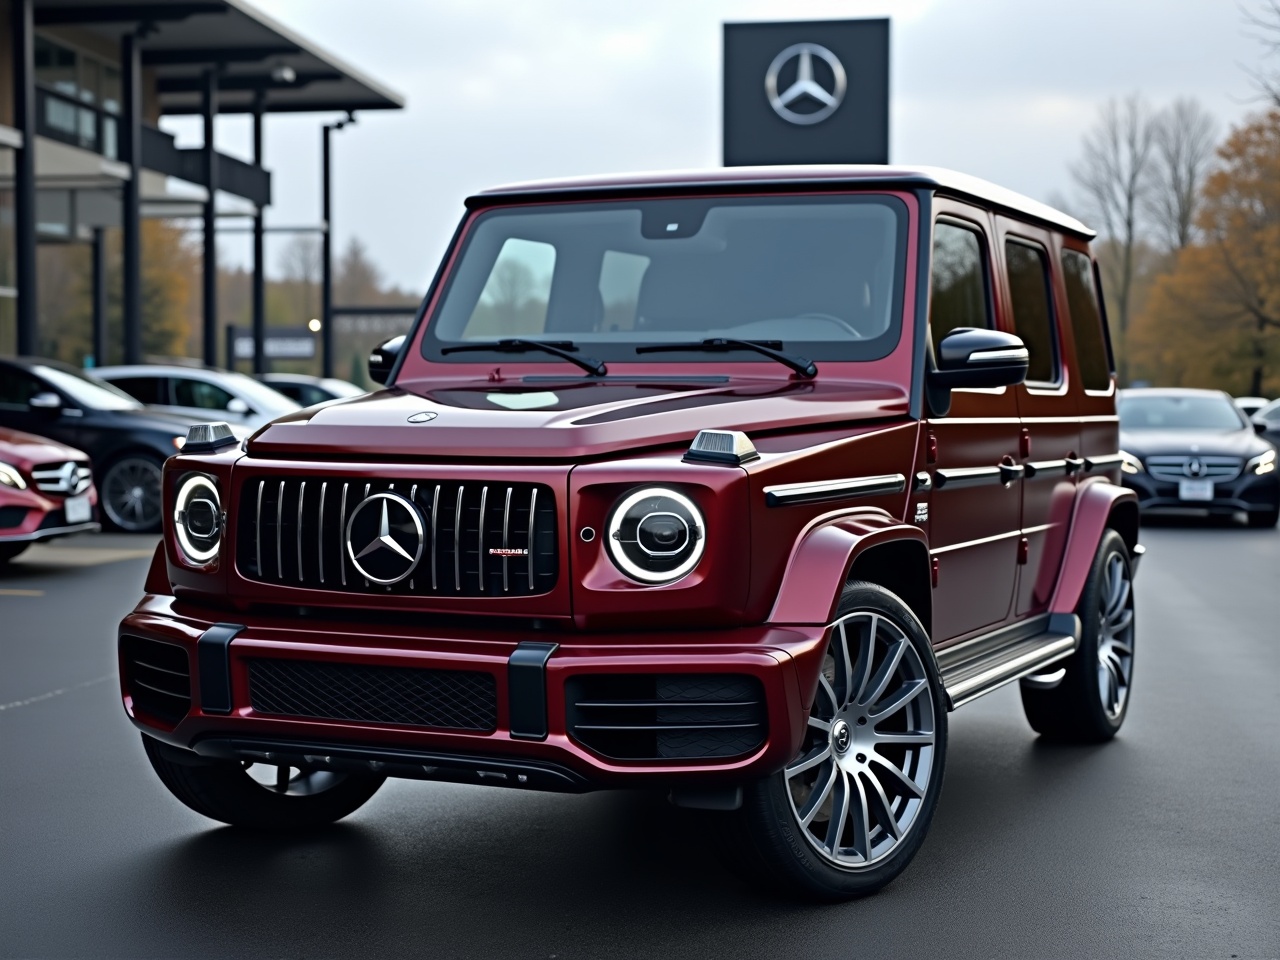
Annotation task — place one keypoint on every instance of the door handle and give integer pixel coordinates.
(1074, 465)
(1010, 472)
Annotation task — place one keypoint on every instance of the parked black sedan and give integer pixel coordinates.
(1193, 451)
(126, 443)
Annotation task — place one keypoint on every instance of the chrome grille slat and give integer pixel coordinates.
(462, 533)
(1173, 468)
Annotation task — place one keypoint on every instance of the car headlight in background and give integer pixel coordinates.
(1129, 463)
(656, 535)
(1262, 464)
(197, 518)
(10, 476)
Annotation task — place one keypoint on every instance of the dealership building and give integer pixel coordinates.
(83, 87)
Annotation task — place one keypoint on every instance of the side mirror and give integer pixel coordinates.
(968, 357)
(1259, 426)
(383, 358)
(237, 406)
(47, 401)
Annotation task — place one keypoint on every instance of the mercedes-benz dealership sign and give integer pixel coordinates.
(806, 92)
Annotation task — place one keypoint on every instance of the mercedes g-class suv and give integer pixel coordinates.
(727, 483)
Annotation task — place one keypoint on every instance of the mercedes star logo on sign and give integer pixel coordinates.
(805, 91)
(385, 538)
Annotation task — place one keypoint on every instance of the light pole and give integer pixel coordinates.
(326, 256)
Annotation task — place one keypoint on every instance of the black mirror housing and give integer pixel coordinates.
(383, 359)
(1259, 426)
(971, 357)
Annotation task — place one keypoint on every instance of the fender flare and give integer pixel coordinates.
(1099, 504)
(821, 559)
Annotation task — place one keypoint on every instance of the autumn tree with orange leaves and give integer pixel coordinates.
(1214, 319)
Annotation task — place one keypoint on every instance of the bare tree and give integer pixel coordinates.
(1185, 134)
(1266, 30)
(1113, 176)
(300, 264)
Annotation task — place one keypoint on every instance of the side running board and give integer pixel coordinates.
(978, 666)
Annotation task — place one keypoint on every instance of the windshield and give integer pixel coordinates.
(87, 392)
(818, 275)
(261, 397)
(1179, 412)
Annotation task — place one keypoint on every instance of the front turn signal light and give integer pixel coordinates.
(1263, 463)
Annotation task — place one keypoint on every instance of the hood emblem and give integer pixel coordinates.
(425, 416)
(385, 538)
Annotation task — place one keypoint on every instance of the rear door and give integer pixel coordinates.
(1032, 308)
(1091, 345)
(974, 514)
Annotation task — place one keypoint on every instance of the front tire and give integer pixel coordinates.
(1090, 703)
(9, 551)
(848, 814)
(289, 799)
(1265, 519)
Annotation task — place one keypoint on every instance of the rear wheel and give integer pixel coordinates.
(1090, 703)
(850, 811)
(256, 795)
(130, 493)
(10, 550)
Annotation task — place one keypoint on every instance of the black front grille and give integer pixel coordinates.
(158, 678)
(660, 717)
(405, 696)
(479, 539)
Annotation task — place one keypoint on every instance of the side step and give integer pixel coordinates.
(984, 663)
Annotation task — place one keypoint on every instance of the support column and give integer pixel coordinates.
(131, 196)
(326, 260)
(24, 175)
(100, 297)
(259, 258)
(210, 222)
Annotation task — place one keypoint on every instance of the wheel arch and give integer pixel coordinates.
(1100, 505)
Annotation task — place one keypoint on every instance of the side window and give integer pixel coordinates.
(514, 299)
(959, 295)
(16, 388)
(198, 393)
(1087, 328)
(143, 389)
(1029, 292)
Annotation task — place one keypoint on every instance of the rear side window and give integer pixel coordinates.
(1093, 353)
(1032, 309)
(198, 393)
(16, 388)
(144, 389)
(959, 295)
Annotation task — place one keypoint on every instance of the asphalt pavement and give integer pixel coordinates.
(1164, 843)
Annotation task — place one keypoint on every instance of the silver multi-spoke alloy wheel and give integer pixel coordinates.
(859, 783)
(131, 493)
(1115, 636)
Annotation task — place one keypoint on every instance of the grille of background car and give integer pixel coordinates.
(67, 478)
(1174, 468)
(295, 535)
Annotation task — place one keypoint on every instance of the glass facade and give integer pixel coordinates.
(78, 97)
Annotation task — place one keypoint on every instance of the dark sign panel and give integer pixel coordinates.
(806, 92)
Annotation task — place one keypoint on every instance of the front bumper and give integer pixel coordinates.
(534, 739)
(29, 515)
(1247, 493)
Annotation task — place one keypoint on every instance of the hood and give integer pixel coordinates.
(25, 450)
(1213, 443)
(564, 420)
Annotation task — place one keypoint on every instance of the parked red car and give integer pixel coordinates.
(730, 482)
(46, 491)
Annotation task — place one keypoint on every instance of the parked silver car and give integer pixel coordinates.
(200, 393)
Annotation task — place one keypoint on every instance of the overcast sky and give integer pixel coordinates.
(505, 90)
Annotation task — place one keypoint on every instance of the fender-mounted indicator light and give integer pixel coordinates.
(730, 447)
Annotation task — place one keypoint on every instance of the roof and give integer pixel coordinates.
(186, 38)
(794, 177)
(1171, 392)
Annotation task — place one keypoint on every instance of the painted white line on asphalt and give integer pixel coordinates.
(54, 693)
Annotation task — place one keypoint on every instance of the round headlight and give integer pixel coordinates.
(197, 519)
(656, 535)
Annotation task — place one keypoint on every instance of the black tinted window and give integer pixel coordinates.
(197, 393)
(16, 388)
(1032, 309)
(959, 282)
(1087, 328)
(146, 389)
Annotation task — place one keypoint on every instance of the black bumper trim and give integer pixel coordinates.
(213, 656)
(398, 762)
(527, 690)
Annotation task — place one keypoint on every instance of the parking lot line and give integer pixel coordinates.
(53, 693)
(21, 593)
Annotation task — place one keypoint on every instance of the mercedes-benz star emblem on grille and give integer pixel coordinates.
(385, 538)
(1194, 467)
(805, 87)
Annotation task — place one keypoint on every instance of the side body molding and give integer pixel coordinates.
(821, 559)
(1099, 504)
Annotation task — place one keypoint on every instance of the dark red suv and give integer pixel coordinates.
(731, 483)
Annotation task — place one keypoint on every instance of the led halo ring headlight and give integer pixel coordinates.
(197, 518)
(656, 535)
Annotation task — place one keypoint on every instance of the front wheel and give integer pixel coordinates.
(849, 812)
(130, 493)
(9, 551)
(1265, 519)
(1090, 702)
(261, 796)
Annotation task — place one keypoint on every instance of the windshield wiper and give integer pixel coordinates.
(558, 348)
(769, 348)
